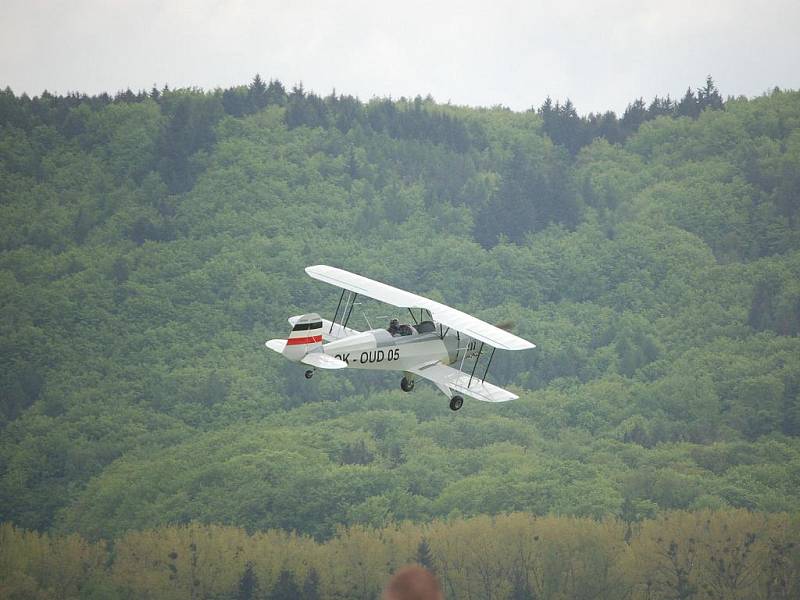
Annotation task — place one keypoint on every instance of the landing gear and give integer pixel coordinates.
(309, 374)
(406, 384)
(456, 402)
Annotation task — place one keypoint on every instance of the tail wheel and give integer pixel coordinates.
(456, 402)
(406, 384)
(309, 374)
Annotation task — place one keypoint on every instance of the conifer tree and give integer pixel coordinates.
(708, 96)
(311, 585)
(688, 106)
(635, 114)
(424, 557)
(285, 588)
(248, 584)
(258, 93)
(276, 93)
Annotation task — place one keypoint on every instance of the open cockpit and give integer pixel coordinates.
(398, 329)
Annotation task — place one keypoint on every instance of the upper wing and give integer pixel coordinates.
(447, 377)
(450, 317)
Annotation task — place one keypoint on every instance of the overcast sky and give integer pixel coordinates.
(601, 54)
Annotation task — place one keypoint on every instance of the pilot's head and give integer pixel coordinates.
(394, 323)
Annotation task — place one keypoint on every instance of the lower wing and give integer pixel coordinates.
(447, 378)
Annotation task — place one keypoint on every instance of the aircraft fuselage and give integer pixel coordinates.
(379, 349)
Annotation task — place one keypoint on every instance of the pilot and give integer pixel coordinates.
(394, 327)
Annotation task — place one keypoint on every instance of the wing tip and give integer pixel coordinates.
(311, 268)
(522, 344)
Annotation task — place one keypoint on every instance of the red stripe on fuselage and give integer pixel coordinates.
(304, 340)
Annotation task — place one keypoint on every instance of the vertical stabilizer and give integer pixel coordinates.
(306, 336)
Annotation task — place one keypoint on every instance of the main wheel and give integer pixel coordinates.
(406, 384)
(456, 402)
(309, 374)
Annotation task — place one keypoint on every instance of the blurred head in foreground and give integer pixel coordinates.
(413, 583)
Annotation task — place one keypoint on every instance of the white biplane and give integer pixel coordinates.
(441, 337)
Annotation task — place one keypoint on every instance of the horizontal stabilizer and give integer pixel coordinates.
(276, 345)
(449, 378)
(322, 361)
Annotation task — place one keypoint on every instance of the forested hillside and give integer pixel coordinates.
(151, 243)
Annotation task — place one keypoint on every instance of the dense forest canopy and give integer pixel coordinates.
(151, 242)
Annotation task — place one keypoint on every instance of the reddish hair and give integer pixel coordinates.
(413, 583)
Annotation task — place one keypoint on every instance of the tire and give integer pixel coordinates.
(309, 374)
(406, 384)
(456, 402)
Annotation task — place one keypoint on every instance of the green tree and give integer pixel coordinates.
(424, 556)
(248, 584)
(285, 587)
(257, 93)
(311, 585)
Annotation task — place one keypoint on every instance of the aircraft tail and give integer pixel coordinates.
(305, 337)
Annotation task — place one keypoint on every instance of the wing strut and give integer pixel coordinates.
(350, 311)
(475, 366)
(336, 314)
(489, 364)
